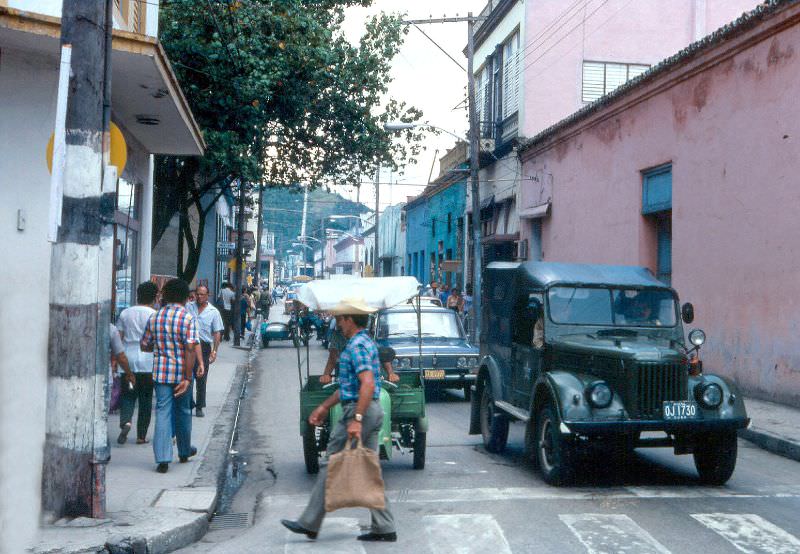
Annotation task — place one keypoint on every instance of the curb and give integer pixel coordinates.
(772, 443)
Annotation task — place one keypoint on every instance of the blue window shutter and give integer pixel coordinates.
(664, 251)
(657, 190)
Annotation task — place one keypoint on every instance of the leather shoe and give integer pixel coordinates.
(378, 537)
(162, 467)
(199, 412)
(184, 459)
(295, 527)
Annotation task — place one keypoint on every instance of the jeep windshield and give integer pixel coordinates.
(434, 324)
(609, 306)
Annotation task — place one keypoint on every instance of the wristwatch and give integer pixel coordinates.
(359, 417)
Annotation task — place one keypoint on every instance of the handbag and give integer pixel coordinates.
(354, 479)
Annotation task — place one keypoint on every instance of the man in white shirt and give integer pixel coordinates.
(131, 324)
(227, 295)
(209, 327)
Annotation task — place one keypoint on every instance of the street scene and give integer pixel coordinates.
(376, 276)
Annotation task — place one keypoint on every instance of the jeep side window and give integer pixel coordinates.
(527, 325)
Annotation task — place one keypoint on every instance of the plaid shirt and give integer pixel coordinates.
(359, 355)
(169, 330)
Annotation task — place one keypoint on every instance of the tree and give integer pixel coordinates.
(282, 98)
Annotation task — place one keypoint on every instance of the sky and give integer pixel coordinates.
(426, 78)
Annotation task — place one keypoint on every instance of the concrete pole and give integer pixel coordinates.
(474, 160)
(376, 262)
(76, 446)
(237, 318)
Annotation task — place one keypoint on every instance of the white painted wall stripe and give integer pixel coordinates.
(464, 534)
(75, 397)
(76, 268)
(750, 533)
(337, 536)
(59, 145)
(612, 534)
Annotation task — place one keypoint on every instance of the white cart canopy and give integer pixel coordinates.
(357, 295)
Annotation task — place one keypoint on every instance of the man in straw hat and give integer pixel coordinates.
(362, 415)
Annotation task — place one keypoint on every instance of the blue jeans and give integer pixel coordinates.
(173, 416)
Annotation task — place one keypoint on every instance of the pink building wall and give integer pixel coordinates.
(729, 122)
(640, 32)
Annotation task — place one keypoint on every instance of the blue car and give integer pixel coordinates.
(448, 359)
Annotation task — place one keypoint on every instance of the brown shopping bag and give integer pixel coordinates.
(354, 479)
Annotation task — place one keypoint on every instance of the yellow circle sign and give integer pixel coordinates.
(119, 150)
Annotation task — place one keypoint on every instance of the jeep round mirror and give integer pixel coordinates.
(386, 354)
(687, 312)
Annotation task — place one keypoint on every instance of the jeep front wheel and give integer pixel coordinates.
(715, 456)
(553, 452)
(494, 423)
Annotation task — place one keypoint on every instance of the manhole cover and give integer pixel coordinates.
(230, 521)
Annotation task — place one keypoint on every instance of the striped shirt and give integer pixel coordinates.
(169, 330)
(359, 355)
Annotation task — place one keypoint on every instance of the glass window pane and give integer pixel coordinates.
(644, 308)
(126, 198)
(580, 306)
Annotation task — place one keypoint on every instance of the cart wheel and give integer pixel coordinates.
(420, 439)
(310, 450)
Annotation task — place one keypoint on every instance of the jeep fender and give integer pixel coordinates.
(563, 388)
(726, 410)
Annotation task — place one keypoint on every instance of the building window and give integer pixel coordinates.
(657, 208)
(449, 222)
(511, 75)
(433, 227)
(600, 78)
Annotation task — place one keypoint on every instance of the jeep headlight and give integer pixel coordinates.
(709, 395)
(599, 395)
(461, 361)
(697, 337)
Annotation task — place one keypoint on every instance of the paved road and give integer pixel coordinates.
(467, 500)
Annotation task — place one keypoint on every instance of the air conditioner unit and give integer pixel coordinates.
(522, 249)
(486, 145)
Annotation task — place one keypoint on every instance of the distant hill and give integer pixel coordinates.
(283, 213)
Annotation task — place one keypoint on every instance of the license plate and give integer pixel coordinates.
(680, 409)
(434, 374)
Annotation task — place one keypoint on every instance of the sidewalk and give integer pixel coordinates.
(150, 512)
(773, 427)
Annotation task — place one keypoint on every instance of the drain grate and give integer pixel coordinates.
(230, 521)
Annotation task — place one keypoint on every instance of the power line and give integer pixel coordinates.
(439, 47)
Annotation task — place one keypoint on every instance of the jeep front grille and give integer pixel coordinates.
(657, 383)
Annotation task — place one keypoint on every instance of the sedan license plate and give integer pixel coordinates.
(434, 374)
(680, 409)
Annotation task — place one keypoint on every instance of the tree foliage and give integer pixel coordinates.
(282, 98)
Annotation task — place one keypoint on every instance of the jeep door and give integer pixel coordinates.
(526, 359)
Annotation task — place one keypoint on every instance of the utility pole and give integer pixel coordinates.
(474, 160)
(474, 167)
(76, 444)
(259, 232)
(377, 256)
(237, 318)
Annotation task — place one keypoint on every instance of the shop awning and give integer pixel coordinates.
(146, 98)
(535, 212)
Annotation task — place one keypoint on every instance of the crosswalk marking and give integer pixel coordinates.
(751, 533)
(339, 538)
(464, 533)
(611, 533)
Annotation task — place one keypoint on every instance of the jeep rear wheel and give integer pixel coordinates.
(554, 454)
(494, 423)
(715, 456)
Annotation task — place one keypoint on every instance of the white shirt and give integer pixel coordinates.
(209, 321)
(227, 296)
(131, 323)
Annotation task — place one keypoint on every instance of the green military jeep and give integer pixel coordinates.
(593, 356)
